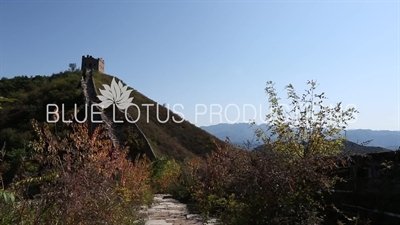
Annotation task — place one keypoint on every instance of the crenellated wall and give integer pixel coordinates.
(88, 62)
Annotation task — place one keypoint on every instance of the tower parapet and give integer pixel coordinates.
(88, 62)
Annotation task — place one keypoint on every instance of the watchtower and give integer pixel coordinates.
(88, 62)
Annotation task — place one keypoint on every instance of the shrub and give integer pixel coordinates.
(242, 187)
(82, 180)
(165, 174)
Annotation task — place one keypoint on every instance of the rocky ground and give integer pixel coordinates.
(168, 211)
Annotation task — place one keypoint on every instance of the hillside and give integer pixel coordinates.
(168, 139)
(173, 140)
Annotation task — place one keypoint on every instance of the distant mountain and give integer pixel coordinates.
(382, 138)
(355, 148)
(240, 133)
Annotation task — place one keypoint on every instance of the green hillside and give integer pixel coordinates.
(174, 140)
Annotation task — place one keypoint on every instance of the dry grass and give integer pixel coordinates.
(179, 141)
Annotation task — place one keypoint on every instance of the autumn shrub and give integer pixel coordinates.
(82, 180)
(165, 175)
(185, 186)
(241, 187)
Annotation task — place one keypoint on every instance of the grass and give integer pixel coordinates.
(179, 141)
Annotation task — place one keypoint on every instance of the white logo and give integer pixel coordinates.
(116, 94)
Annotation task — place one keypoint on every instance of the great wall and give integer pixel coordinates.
(89, 91)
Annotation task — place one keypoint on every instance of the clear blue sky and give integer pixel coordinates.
(209, 52)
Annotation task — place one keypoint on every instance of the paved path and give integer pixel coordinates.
(168, 211)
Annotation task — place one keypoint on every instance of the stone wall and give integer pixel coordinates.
(114, 130)
(88, 62)
(90, 96)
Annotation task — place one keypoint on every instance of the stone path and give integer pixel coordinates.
(168, 211)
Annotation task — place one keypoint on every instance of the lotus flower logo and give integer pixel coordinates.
(117, 94)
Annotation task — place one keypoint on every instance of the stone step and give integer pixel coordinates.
(168, 211)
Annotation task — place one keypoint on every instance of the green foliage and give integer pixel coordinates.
(31, 96)
(165, 174)
(309, 127)
(7, 196)
(184, 187)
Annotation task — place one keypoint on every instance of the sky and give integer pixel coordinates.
(216, 56)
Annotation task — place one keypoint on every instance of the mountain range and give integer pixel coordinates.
(241, 133)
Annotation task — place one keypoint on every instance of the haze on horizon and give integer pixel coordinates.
(203, 53)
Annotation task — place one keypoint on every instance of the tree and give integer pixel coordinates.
(72, 66)
(308, 127)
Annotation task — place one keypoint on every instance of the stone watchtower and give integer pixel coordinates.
(88, 62)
